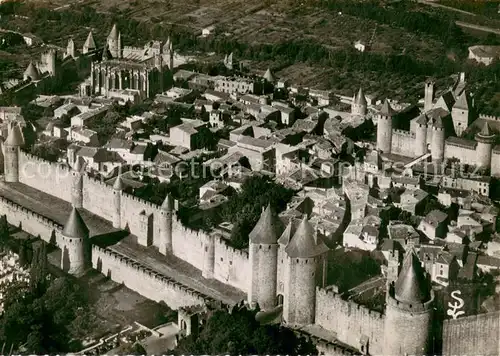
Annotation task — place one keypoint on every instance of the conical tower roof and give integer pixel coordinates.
(89, 42)
(486, 131)
(269, 75)
(305, 242)
(386, 109)
(360, 98)
(75, 227)
(114, 33)
(168, 203)
(411, 285)
(15, 137)
(268, 228)
(422, 120)
(118, 185)
(32, 72)
(438, 123)
(287, 235)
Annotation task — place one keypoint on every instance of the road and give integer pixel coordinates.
(477, 27)
(445, 7)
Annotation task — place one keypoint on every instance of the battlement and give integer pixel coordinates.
(39, 160)
(403, 133)
(30, 214)
(346, 306)
(219, 240)
(147, 273)
(413, 308)
(145, 203)
(489, 117)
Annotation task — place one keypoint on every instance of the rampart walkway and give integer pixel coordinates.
(170, 266)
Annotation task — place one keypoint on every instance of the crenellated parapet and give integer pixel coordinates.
(403, 133)
(143, 279)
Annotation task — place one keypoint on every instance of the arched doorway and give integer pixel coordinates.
(279, 299)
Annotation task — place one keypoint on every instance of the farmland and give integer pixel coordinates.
(309, 42)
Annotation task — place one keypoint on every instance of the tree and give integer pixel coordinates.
(239, 333)
(23, 255)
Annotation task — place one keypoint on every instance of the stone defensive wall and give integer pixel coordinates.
(403, 143)
(472, 335)
(143, 280)
(489, 117)
(48, 177)
(32, 223)
(231, 266)
(350, 321)
(141, 218)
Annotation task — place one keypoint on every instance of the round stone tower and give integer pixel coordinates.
(359, 104)
(263, 256)
(77, 183)
(421, 136)
(117, 201)
(11, 150)
(306, 253)
(408, 316)
(437, 141)
(166, 216)
(76, 258)
(485, 141)
(384, 127)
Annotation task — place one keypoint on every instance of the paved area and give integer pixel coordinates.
(171, 266)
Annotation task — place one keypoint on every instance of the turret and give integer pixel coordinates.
(77, 183)
(359, 104)
(168, 48)
(12, 146)
(461, 113)
(263, 256)
(421, 135)
(485, 141)
(70, 49)
(305, 264)
(428, 95)
(166, 217)
(118, 187)
(408, 320)
(50, 61)
(31, 73)
(76, 258)
(89, 44)
(268, 76)
(437, 140)
(384, 127)
(114, 42)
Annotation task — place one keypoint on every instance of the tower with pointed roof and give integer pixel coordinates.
(117, 201)
(384, 128)
(70, 49)
(437, 140)
(31, 73)
(421, 135)
(89, 44)
(409, 306)
(428, 95)
(114, 42)
(462, 113)
(263, 258)
(168, 50)
(77, 182)
(304, 270)
(359, 104)
(12, 146)
(76, 258)
(166, 216)
(485, 140)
